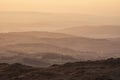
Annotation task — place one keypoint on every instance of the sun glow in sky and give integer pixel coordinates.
(92, 7)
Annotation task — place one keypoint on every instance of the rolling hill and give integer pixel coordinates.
(72, 48)
(93, 31)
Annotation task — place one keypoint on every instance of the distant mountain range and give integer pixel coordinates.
(46, 48)
(93, 31)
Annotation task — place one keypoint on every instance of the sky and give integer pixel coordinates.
(60, 14)
(92, 7)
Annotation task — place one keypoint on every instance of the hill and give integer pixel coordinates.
(20, 45)
(93, 31)
(88, 70)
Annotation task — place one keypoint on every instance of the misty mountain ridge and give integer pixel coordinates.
(71, 48)
(93, 31)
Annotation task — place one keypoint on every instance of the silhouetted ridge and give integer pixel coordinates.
(108, 69)
(110, 61)
(18, 66)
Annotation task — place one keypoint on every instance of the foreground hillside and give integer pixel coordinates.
(89, 70)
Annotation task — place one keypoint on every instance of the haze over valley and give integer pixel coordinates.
(47, 48)
(59, 39)
(43, 39)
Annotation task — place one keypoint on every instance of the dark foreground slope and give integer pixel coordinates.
(89, 70)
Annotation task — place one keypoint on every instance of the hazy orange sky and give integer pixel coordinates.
(84, 12)
(93, 7)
